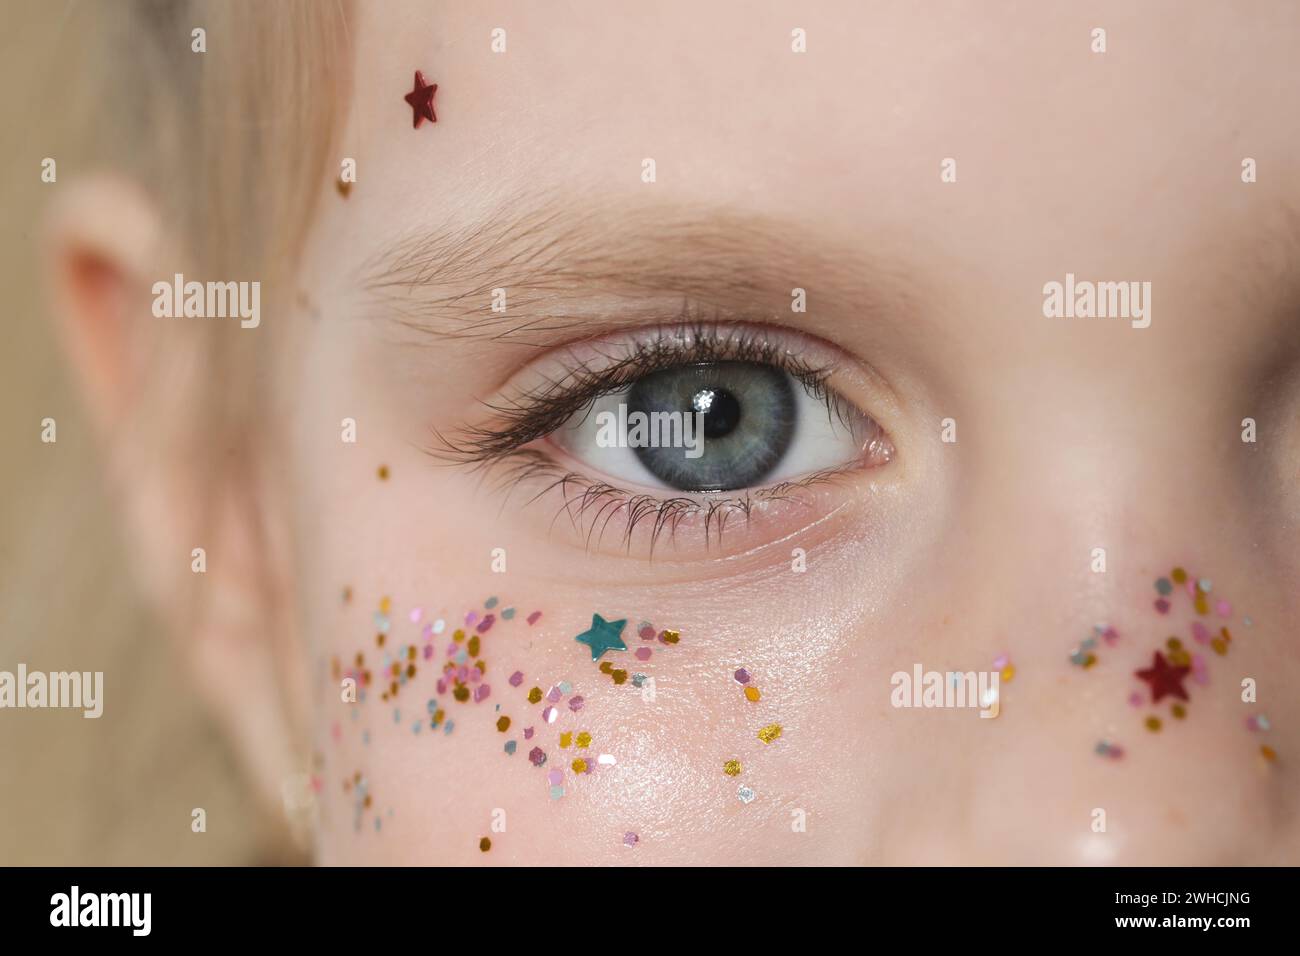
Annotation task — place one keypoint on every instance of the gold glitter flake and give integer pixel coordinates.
(534, 695)
(579, 766)
(584, 739)
(769, 733)
(1179, 575)
(752, 693)
(671, 636)
(503, 723)
(566, 740)
(1153, 724)
(731, 768)
(485, 844)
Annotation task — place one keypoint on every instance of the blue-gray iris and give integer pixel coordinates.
(748, 413)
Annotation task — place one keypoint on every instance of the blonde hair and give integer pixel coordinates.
(233, 146)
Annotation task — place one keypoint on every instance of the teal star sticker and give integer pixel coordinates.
(603, 636)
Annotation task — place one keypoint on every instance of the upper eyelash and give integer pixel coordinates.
(530, 415)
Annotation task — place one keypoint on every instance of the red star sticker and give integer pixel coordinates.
(421, 100)
(1164, 679)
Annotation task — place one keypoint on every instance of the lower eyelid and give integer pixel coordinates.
(604, 518)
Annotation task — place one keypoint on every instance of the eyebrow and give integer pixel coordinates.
(565, 265)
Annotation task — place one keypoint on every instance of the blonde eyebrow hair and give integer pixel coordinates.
(560, 261)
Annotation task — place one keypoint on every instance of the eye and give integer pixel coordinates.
(718, 426)
(680, 431)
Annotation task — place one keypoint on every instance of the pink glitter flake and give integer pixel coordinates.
(1199, 672)
(1200, 633)
(428, 651)
(416, 614)
(553, 695)
(537, 756)
(1135, 699)
(482, 691)
(576, 702)
(630, 839)
(643, 653)
(528, 733)
(470, 618)
(555, 777)
(646, 632)
(532, 618)
(1110, 636)
(1224, 609)
(1001, 661)
(485, 625)
(1162, 605)
(549, 715)
(516, 678)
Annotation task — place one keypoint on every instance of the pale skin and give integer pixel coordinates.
(775, 171)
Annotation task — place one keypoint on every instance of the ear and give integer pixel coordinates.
(180, 483)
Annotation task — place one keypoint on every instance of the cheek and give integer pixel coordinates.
(481, 715)
(1134, 741)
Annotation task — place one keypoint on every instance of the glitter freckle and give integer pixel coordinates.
(769, 733)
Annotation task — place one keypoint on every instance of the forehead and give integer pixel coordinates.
(1125, 162)
(715, 94)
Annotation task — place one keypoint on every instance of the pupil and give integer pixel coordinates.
(721, 411)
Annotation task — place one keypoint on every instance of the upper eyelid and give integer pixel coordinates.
(555, 399)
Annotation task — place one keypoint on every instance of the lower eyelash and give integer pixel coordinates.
(598, 502)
